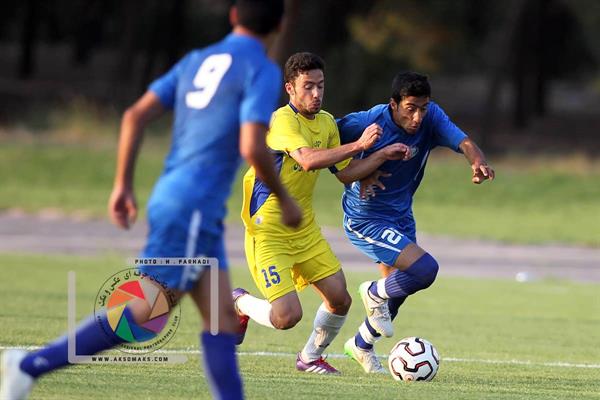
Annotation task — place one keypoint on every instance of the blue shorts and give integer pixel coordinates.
(176, 230)
(381, 240)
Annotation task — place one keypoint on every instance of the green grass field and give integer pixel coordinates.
(498, 339)
(532, 201)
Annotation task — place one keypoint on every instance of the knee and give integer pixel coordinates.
(427, 271)
(340, 304)
(287, 320)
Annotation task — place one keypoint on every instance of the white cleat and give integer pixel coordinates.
(377, 311)
(16, 384)
(366, 358)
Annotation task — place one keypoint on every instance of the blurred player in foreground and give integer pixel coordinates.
(378, 216)
(282, 261)
(223, 97)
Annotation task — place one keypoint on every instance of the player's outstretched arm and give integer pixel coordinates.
(360, 169)
(476, 158)
(122, 206)
(254, 149)
(311, 159)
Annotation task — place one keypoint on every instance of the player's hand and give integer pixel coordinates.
(367, 185)
(397, 151)
(291, 214)
(370, 135)
(122, 207)
(481, 172)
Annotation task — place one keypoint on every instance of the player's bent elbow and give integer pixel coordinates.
(132, 116)
(253, 154)
(344, 177)
(308, 166)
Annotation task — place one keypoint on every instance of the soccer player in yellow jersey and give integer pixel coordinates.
(283, 260)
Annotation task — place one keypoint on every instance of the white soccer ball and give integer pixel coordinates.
(413, 359)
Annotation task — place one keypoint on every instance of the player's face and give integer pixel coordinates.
(409, 112)
(306, 92)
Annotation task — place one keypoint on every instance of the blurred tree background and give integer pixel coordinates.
(514, 74)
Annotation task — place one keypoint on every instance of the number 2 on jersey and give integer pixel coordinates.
(391, 236)
(207, 80)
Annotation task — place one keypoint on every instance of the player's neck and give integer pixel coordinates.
(297, 110)
(241, 30)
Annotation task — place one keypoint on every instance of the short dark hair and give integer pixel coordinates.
(260, 16)
(301, 62)
(410, 84)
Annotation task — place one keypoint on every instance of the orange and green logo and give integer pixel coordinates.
(156, 313)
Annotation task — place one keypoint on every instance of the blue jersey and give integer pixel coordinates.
(395, 202)
(212, 91)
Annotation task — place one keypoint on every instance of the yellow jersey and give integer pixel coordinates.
(289, 131)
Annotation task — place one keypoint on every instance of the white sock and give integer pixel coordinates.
(326, 327)
(367, 335)
(257, 309)
(381, 289)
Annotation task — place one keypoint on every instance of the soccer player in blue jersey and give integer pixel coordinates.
(223, 97)
(378, 216)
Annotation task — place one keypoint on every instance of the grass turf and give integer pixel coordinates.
(540, 201)
(497, 339)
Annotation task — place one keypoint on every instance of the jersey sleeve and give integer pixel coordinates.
(165, 87)
(333, 142)
(284, 134)
(352, 126)
(261, 94)
(445, 132)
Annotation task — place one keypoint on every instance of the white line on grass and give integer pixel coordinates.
(444, 359)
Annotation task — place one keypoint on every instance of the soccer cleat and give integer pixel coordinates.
(366, 358)
(377, 311)
(319, 366)
(16, 384)
(242, 318)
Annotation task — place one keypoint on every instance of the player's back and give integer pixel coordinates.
(209, 96)
(212, 91)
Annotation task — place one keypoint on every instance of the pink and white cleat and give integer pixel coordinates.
(242, 318)
(319, 366)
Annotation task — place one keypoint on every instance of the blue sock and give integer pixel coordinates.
(92, 336)
(394, 304)
(360, 341)
(220, 364)
(373, 289)
(420, 275)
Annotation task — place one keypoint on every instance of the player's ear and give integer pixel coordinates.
(289, 88)
(233, 16)
(393, 104)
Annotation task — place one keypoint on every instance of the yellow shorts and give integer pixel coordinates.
(280, 266)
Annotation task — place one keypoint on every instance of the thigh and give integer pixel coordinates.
(287, 305)
(270, 265)
(315, 263)
(333, 289)
(381, 240)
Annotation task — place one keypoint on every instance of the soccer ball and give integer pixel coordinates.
(413, 359)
